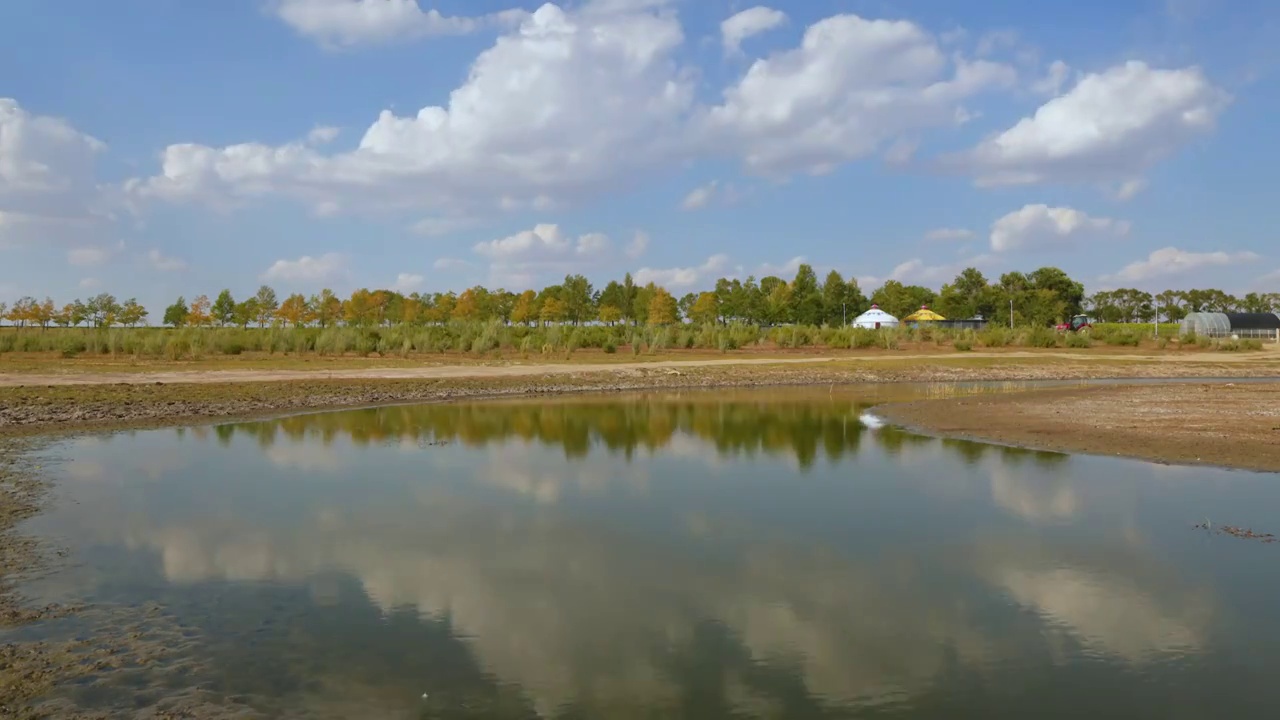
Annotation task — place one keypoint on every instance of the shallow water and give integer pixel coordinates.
(696, 555)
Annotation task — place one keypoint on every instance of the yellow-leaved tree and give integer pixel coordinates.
(706, 309)
(294, 311)
(199, 315)
(525, 310)
(663, 309)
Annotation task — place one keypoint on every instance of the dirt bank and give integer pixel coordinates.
(78, 372)
(1220, 423)
(95, 400)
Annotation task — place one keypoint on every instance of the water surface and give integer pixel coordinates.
(697, 555)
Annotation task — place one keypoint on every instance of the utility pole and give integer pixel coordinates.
(1010, 313)
(844, 315)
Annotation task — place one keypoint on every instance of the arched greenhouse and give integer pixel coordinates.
(1231, 324)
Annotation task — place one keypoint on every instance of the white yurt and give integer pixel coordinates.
(875, 318)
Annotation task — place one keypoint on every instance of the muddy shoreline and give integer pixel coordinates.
(1216, 423)
(27, 410)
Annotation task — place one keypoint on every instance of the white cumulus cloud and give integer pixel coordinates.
(565, 105)
(407, 283)
(1109, 129)
(700, 196)
(683, 277)
(48, 188)
(575, 102)
(307, 269)
(358, 22)
(1172, 261)
(1036, 227)
(749, 23)
(852, 86)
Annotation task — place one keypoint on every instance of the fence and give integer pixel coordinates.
(1263, 334)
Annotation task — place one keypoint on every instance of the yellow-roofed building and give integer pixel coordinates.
(924, 314)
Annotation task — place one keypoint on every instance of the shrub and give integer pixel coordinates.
(963, 345)
(1040, 337)
(610, 347)
(1124, 337)
(1078, 340)
(995, 337)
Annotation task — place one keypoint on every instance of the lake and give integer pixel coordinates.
(761, 554)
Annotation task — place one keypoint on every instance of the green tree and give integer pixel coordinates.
(629, 296)
(841, 300)
(246, 312)
(901, 300)
(577, 297)
(176, 314)
(266, 304)
(969, 295)
(224, 308)
(806, 297)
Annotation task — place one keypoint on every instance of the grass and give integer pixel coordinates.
(125, 350)
(1167, 330)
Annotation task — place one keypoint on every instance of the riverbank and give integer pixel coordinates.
(1234, 425)
(38, 404)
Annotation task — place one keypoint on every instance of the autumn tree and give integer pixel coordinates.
(22, 312)
(176, 314)
(198, 315)
(609, 314)
(327, 308)
(467, 308)
(132, 313)
(224, 308)
(43, 313)
(102, 310)
(294, 310)
(706, 309)
(553, 310)
(525, 310)
(62, 318)
(4, 311)
(663, 309)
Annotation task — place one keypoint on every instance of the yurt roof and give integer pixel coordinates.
(924, 313)
(875, 313)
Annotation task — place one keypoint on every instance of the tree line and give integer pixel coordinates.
(1042, 297)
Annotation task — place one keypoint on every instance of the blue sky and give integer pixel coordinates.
(153, 148)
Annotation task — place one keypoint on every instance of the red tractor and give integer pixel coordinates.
(1077, 324)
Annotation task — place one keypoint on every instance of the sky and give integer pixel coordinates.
(156, 148)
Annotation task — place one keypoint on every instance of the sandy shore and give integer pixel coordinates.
(75, 401)
(1228, 424)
